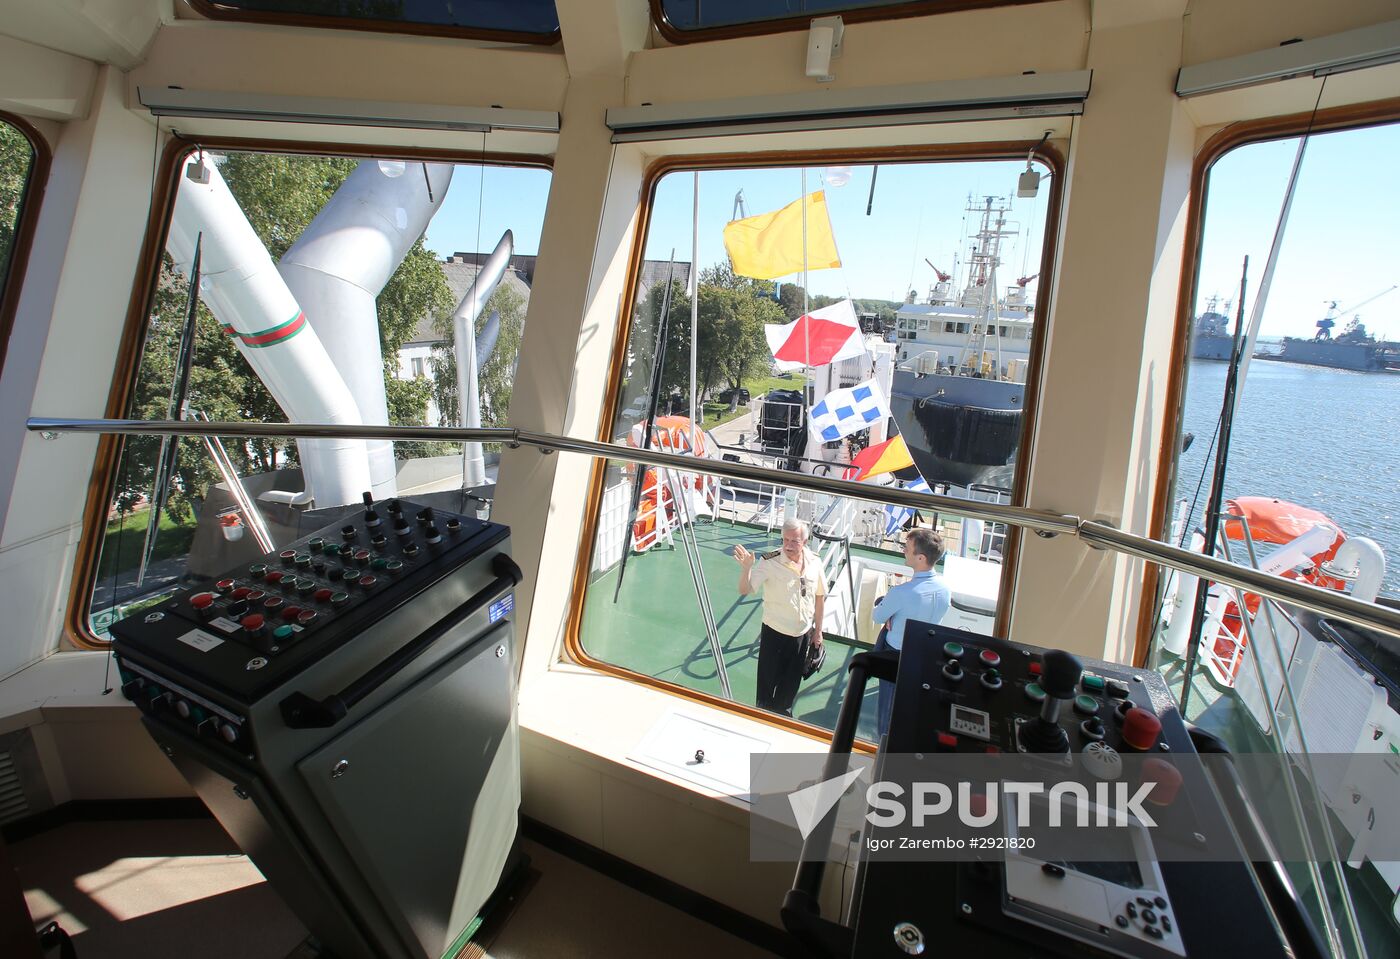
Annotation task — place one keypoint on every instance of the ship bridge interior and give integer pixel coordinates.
(1122, 105)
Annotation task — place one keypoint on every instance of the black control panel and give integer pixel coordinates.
(201, 657)
(964, 695)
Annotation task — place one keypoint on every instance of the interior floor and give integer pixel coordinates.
(174, 888)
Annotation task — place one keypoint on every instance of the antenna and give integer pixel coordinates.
(740, 210)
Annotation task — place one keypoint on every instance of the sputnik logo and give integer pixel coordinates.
(810, 804)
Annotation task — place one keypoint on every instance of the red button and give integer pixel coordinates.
(287, 555)
(255, 594)
(306, 616)
(252, 622)
(291, 613)
(202, 600)
(1141, 728)
(368, 581)
(1035, 667)
(989, 658)
(323, 595)
(947, 741)
(1165, 779)
(241, 592)
(273, 602)
(362, 556)
(224, 585)
(274, 576)
(992, 750)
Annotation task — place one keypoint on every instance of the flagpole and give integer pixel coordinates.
(694, 303)
(806, 339)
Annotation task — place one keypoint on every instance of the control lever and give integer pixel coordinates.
(371, 517)
(1060, 674)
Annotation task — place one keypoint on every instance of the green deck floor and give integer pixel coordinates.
(655, 627)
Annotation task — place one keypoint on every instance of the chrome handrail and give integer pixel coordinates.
(1042, 522)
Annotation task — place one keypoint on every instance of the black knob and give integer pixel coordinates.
(394, 508)
(348, 532)
(401, 527)
(454, 524)
(431, 534)
(1060, 674)
(424, 516)
(378, 540)
(371, 517)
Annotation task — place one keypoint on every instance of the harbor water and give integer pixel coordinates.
(1322, 438)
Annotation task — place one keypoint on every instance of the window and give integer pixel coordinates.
(1310, 479)
(686, 20)
(662, 598)
(350, 326)
(521, 21)
(18, 160)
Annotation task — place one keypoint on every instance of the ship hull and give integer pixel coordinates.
(1211, 347)
(959, 429)
(1360, 357)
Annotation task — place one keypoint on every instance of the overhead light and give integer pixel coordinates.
(1372, 46)
(213, 104)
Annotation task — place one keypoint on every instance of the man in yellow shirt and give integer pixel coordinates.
(794, 597)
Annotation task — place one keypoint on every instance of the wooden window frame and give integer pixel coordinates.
(214, 10)
(124, 372)
(25, 225)
(1231, 137)
(960, 152)
(894, 11)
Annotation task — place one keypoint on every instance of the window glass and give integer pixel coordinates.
(327, 293)
(513, 16)
(16, 160)
(692, 15)
(811, 378)
(1310, 481)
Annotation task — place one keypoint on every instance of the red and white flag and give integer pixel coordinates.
(817, 338)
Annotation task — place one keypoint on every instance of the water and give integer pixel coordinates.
(1322, 438)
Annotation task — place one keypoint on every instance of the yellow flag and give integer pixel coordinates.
(769, 245)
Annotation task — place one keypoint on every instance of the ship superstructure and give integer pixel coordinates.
(960, 375)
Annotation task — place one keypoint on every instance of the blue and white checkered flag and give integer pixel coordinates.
(843, 412)
(897, 516)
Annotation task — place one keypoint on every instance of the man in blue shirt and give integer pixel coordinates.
(924, 598)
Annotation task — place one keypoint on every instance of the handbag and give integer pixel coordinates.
(813, 657)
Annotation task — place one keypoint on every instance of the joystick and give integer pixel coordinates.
(371, 517)
(1059, 676)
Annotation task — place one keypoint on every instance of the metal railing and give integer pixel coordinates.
(1042, 522)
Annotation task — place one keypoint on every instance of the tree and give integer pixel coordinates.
(733, 312)
(675, 376)
(790, 298)
(16, 158)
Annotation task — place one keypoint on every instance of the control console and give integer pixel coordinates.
(345, 707)
(1036, 715)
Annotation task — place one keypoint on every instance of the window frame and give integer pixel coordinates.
(572, 647)
(1232, 137)
(25, 225)
(213, 10)
(127, 364)
(894, 11)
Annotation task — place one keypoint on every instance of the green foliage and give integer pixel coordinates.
(733, 311)
(16, 158)
(790, 297)
(675, 374)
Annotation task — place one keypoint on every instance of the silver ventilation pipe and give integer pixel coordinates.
(469, 360)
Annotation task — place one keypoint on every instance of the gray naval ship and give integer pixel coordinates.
(1352, 349)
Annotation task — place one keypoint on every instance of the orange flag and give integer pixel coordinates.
(887, 457)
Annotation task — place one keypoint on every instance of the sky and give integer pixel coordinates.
(1341, 241)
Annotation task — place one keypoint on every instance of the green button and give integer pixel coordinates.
(198, 714)
(1087, 705)
(283, 632)
(316, 545)
(1091, 681)
(1035, 693)
(339, 599)
(257, 569)
(393, 565)
(379, 563)
(952, 650)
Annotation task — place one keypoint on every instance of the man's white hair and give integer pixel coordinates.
(799, 526)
